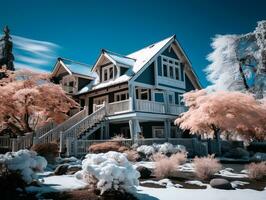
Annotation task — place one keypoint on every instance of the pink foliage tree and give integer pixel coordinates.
(232, 112)
(30, 100)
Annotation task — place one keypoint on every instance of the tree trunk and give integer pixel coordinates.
(243, 77)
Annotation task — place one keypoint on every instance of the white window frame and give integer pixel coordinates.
(108, 69)
(119, 94)
(100, 99)
(180, 98)
(165, 61)
(143, 92)
(154, 128)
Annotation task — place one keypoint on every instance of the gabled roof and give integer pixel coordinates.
(119, 58)
(74, 67)
(137, 61)
(144, 55)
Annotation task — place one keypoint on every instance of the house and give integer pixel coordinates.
(137, 95)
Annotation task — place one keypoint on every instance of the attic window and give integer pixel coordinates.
(107, 73)
(171, 68)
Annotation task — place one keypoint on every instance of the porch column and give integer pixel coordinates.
(106, 130)
(131, 94)
(167, 128)
(102, 131)
(165, 98)
(134, 130)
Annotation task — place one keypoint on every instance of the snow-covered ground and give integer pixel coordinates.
(173, 193)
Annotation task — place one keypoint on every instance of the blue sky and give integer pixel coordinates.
(44, 30)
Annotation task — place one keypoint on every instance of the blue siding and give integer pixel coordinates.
(159, 97)
(123, 70)
(189, 85)
(170, 86)
(170, 54)
(159, 64)
(147, 76)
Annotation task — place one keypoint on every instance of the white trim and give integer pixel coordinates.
(108, 69)
(171, 89)
(119, 94)
(146, 91)
(151, 60)
(144, 85)
(165, 60)
(103, 98)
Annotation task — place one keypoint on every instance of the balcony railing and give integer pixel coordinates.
(142, 106)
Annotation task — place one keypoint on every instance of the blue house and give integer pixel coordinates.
(138, 95)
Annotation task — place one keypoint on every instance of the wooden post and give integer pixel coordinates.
(68, 146)
(14, 144)
(102, 131)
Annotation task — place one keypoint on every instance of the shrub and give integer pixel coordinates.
(24, 162)
(107, 146)
(206, 167)
(179, 158)
(256, 170)
(109, 171)
(145, 149)
(50, 151)
(132, 155)
(118, 137)
(165, 166)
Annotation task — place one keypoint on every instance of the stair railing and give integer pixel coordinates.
(83, 125)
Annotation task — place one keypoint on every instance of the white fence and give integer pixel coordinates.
(5, 142)
(44, 129)
(22, 142)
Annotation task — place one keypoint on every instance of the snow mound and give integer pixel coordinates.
(165, 148)
(109, 171)
(145, 149)
(25, 162)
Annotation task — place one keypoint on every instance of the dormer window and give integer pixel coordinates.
(171, 68)
(107, 73)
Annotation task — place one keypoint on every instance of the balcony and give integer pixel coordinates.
(69, 89)
(119, 107)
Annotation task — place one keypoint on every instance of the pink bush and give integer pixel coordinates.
(132, 155)
(165, 166)
(206, 167)
(256, 170)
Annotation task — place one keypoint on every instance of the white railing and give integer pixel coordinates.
(22, 142)
(118, 107)
(80, 147)
(76, 130)
(44, 129)
(5, 142)
(54, 134)
(150, 106)
(176, 109)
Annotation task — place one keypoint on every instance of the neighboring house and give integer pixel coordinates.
(141, 92)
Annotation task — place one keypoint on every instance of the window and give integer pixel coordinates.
(171, 98)
(165, 73)
(121, 96)
(176, 73)
(158, 131)
(143, 93)
(107, 73)
(171, 68)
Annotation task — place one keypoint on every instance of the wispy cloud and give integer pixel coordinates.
(34, 54)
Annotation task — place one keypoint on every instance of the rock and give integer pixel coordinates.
(61, 169)
(73, 169)
(144, 172)
(237, 153)
(220, 183)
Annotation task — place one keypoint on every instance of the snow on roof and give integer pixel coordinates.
(120, 58)
(135, 61)
(146, 54)
(78, 68)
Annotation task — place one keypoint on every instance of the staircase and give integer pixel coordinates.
(53, 135)
(84, 127)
